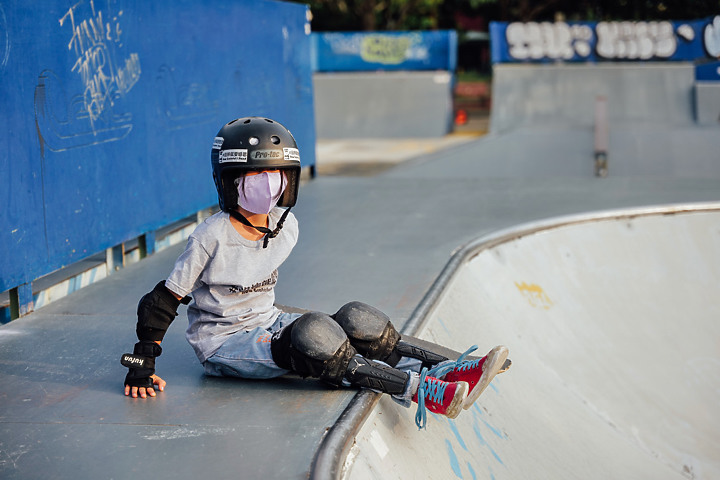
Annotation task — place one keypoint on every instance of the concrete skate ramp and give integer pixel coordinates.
(652, 129)
(612, 324)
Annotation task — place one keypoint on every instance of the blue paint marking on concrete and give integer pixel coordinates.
(459, 438)
(476, 428)
(472, 471)
(442, 324)
(454, 464)
(497, 457)
(494, 430)
(492, 475)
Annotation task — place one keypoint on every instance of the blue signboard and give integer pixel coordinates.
(109, 109)
(708, 72)
(368, 51)
(605, 41)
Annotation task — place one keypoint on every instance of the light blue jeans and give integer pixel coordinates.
(248, 355)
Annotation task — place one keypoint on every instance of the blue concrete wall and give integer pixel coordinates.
(109, 109)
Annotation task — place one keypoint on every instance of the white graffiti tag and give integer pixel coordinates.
(4, 40)
(635, 40)
(559, 41)
(711, 36)
(614, 40)
(94, 42)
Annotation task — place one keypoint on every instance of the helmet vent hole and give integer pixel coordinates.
(253, 141)
(275, 140)
(230, 123)
(269, 121)
(247, 121)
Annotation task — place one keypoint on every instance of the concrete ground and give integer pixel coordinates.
(367, 157)
(382, 237)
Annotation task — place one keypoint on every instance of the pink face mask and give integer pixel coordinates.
(260, 193)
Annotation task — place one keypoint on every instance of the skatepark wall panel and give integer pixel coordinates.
(707, 103)
(383, 104)
(110, 110)
(531, 95)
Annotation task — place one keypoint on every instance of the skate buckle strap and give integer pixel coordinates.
(447, 367)
(434, 390)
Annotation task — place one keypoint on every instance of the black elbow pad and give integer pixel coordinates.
(156, 311)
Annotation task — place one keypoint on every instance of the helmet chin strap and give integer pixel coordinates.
(268, 233)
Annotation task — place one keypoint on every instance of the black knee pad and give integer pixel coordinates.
(313, 346)
(370, 331)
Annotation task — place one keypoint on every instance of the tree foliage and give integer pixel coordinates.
(375, 14)
(343, 15)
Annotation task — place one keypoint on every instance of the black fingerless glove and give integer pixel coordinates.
(141, 363)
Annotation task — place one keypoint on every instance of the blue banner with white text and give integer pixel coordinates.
(369, 51)
(693, 40)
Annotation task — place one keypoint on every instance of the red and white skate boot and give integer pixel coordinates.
(438, 396)
(477, 373)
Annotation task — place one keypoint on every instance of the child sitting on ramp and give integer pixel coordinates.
(230, 267)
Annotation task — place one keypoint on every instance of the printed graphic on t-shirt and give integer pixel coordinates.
(264, 286)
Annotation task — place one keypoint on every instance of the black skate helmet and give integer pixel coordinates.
(253, 143)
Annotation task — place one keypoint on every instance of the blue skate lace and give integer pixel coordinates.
(442, 369)
(434, 390)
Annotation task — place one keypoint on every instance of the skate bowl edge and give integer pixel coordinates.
(609, 320)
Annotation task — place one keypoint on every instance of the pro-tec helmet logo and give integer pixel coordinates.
(266, 155)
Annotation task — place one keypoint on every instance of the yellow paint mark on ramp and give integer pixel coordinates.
(535, 295)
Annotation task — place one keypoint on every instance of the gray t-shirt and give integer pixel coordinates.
(231, 278)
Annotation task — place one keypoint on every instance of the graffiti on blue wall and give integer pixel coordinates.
(605, 41)
(109, 108)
